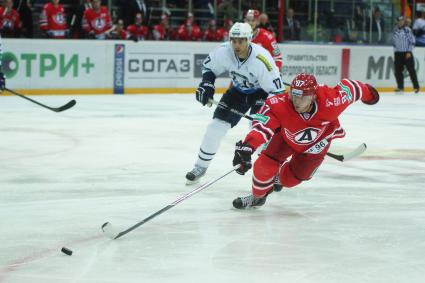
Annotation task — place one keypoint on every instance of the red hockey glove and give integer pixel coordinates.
(243, 152)
(373, 96)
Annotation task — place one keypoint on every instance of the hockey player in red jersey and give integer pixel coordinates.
(138, 31)
(53, 20)
(301, 124)
(10, 23)
(263, 37)
(97, 21)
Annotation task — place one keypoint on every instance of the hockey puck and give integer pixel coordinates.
(66, 251)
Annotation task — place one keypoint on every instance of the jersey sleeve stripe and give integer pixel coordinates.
(261, 127)
(359, 88)
(263, 134)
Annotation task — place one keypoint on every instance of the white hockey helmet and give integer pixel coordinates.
(241, 30)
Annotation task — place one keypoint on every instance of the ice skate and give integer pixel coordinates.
(195, 175)
(277, 186)
(248, 201)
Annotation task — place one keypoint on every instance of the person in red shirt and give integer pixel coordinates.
(162, 31)
(138, 31)
(53, 20)
(97, 21)
(301, 124)
(223, 32)
(118, 32)
(10, 22)
(263, 37)
(211, 33)
(190, 32)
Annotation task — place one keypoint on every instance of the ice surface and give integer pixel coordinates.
(122, 158)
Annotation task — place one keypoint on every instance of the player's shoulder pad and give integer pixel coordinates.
(265, 62)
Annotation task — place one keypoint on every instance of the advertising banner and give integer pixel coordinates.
(376, 66)
(57, 64)
(323, 61)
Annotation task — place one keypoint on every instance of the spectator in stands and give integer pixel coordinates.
(190, 32)
(419, 30)
(378, 27)
(97, 21)
(119, 31)
(404, 42)
(53, 21)
(24, 8)
(129, 9)
(291, 26)
(77, 18)
(10, 23)
(211, 33)
(264, 23)
(138, 31)
(162, 31)
(223, 32)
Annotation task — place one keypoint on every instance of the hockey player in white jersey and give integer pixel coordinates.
(254, 77)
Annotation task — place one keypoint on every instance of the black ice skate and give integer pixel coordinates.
(195, 175)
(277, 186)
(248, 201)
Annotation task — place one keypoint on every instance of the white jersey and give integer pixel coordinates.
(258, 71)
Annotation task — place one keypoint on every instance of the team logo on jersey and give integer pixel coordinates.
(241, 81)
(7, 24)
(99, 23)
(59, 18)
(328, 103)
(304, 136)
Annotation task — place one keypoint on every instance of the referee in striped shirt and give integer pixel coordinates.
(404, 42)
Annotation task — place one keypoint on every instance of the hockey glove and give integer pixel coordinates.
(2, 82)
(205, 92)
(243, 152)
(373, 98)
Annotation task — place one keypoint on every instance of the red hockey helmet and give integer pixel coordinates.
(303, 85)
(252, 15)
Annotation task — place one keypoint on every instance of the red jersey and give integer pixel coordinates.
(267, 40)
(223, 34)
(159, 32)
(53, 21)
(97, 22)
(213, 35)
(9, 19)
(308, 132)
(138, 32)
(185, 35)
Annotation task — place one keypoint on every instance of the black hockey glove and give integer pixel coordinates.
(243, 152)
(205, 92)
(2, 82)
(375, 96)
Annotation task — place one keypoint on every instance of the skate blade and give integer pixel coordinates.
(189, 182)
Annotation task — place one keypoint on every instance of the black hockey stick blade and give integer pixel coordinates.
(55, 109)
(350, 155)
(110, 232)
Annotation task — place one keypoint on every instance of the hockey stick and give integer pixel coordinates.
(111, 233)
(263, 119)
(55, 109)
